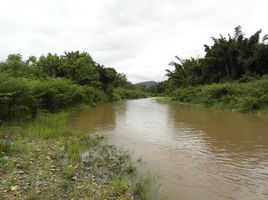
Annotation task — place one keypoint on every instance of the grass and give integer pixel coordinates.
(164, 100)
(249, 97)
(68, 172)
(74, 149)
(43, 159)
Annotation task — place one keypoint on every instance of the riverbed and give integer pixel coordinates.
(198, 153)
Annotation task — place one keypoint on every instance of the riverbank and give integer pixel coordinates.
(43, 159)
(247, 97)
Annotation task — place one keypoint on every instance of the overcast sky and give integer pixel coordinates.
(137, 37)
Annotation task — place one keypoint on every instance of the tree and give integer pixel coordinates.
(225, 60)
(79, 67)
(50, 64)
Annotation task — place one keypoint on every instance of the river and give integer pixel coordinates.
(198, 153)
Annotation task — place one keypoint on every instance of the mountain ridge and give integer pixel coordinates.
(147, 84)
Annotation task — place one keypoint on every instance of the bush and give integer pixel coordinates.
(57, 94)
(16, 99)
(244, 97)
(20, 98)
(95, 95)
(186, 94)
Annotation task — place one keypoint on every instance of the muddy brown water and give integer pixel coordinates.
(198, 153)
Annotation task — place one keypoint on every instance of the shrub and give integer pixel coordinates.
(16, 99)
(244, 97)
(56, 94)
(20, 98)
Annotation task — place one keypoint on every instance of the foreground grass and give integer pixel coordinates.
(249, 97)
(45, 160)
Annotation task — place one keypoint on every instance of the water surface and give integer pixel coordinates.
(198, 153)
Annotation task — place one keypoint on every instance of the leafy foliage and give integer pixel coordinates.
(228, 59)
(244, 97)
(54, 82)
(232, 74)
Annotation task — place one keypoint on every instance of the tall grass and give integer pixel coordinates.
(243, 97)
(49, 126)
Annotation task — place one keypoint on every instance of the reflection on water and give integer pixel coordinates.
(103, 117)
(199, 153)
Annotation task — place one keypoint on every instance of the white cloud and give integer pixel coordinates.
(138, 38)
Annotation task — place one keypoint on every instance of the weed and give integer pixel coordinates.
(68, 172)
(73, 150)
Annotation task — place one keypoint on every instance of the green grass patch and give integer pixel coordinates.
(49, 126)
(74, 149)
(164, 100)
(68, 172)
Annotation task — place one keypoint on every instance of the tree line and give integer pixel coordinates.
(53, 82)
(231, 58)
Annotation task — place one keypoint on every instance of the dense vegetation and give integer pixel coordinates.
(232, 74)
(41, 158)
(54, 82)
(243, 97)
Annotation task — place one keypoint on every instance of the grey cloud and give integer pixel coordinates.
(138, 38)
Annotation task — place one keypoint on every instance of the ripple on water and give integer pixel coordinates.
(198, 153)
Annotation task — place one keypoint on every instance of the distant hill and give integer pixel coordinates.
(147, 84)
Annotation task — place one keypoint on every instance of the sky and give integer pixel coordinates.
(136, 37)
